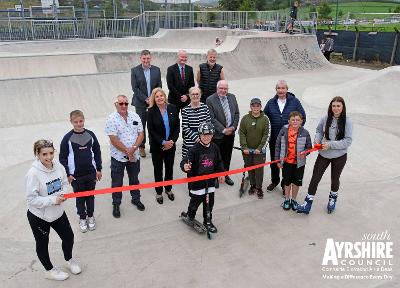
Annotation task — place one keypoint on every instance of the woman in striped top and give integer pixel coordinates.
(192, 116)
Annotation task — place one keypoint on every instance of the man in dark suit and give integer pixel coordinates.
(180, 79)
(144, 78)
(224, 112)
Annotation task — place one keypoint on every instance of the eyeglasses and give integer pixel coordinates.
(123, 103)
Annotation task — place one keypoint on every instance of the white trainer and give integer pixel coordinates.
(73, 266)
(83, 225)
(91, 223)
(56, 274)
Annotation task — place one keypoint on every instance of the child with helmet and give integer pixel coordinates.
(202, 159)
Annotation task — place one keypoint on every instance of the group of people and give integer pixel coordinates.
(207, 117)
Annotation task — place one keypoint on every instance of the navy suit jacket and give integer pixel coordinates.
(139, 85)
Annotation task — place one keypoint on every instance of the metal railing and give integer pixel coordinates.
(147, 24)
(68, 29)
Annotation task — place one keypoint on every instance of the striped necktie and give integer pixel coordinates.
(227, 111)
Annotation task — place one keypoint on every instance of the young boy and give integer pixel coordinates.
(254, 132)
(81, 156)
(202, 159)
(291, 141)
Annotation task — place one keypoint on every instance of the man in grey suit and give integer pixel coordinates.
(144, 78)
(224, 112)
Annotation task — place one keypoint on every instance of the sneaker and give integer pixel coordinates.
(210, 227)
(252, 190)
(271, 187)
(56, 274)
(229, 181)
(83, 225)
(142, 152)
(260, 193)
(286, 204)
(139, 205)
(73, 266)
(91, 223)
(331, 203)
(294, 204)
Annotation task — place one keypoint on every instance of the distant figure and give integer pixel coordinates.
(218, 42)
(322, 45)
(293, 17)
(328, 47)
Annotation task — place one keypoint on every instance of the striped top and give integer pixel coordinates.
(191, 119)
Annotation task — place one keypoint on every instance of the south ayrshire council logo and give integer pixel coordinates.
(369, 258)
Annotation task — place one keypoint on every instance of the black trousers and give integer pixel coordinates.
(142, 112)
(225, 146)
(327, 55)
(117, 178)
(84, 205)
(196, 200)
(160, 159)
(275, 171)
(337, 165)
(41, 231)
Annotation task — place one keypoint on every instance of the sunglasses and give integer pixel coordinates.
(123, 103)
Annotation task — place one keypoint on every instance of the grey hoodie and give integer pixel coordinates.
(337, 148)
(42, 187)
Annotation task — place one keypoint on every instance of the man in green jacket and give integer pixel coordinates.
(254, 132)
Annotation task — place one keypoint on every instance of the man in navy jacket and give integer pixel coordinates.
(278, 109)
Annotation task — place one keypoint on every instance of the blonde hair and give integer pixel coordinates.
(40, 144)
(76, 113)
(152, 98)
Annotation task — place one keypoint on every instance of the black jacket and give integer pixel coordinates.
(156, 128)
(177, 87)
(205, 160)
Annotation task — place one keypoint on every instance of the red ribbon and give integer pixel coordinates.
(180, 180)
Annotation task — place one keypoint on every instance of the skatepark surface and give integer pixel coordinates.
(258, 244)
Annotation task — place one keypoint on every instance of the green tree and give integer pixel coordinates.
(247, 5)
(324, 10)
(231, 5)
(340, 13)
(397, 9)
(313, 9)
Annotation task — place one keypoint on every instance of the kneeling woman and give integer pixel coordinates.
(334, 132)
(45, 186)
(163, 126)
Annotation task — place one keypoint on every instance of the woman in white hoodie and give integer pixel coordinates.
(45, 185)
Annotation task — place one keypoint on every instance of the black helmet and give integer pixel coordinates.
(206, 128)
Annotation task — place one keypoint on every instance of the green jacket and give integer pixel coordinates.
(254, 132)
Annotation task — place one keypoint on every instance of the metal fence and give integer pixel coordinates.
(148, 24)
(67, 29)
(259, 20)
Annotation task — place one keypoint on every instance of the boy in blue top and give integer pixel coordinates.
(81, 157)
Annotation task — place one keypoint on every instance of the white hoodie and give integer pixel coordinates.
(42, 186)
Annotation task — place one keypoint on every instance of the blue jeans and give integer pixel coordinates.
(117, 178)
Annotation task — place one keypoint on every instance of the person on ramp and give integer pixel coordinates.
(202, 159)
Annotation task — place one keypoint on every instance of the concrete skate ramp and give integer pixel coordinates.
(51, 99)
(279, 54)
(275, 53)
(174, 38)
(376, 93)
